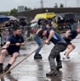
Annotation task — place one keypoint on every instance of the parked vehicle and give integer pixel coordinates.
(45, 15)
(69, 19)
(58, 22)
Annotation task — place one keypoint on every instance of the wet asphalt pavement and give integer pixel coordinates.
(35, 70)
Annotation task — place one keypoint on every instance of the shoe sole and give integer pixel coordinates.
(54, 74)
(59, 68)
(51, 75)
(65, 60)
(37, 57)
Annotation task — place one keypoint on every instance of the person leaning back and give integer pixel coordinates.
(12, 48)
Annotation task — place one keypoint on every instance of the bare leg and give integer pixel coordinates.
(13, 59)
(71, 47)
(2, 55)
(2, 58)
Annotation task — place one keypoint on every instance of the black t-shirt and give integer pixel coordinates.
(71, 36)
(13, 40)
(23, 23)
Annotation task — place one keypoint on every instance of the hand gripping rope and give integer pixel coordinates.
(19, 62)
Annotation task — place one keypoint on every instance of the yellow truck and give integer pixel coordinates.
(48, 16)
(45, 15)
(54, 17)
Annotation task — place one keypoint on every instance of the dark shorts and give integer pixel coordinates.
(11, 51)
(69, 43)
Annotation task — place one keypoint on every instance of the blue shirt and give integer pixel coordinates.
(43, 27)
(13, 40)
(56, 37)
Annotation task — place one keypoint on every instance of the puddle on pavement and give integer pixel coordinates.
(30, 78)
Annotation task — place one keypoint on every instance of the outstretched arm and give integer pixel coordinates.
(67, 33)
(6, 45)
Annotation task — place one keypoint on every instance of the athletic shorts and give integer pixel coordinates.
(11, 51)
(68, 41)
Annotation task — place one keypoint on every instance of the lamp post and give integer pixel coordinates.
(65, 3)
(41, 3)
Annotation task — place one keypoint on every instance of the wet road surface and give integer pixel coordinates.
(35, 70)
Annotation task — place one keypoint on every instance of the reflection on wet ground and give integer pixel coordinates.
(35, 70)
(8, 77)
(57, 78)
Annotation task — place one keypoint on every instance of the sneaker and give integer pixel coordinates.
(66, 58)
(6, 69)
(38, 56)
(65, 53)
(59, 65)
(51, 73)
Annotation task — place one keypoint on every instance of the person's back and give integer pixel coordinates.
(56, 37)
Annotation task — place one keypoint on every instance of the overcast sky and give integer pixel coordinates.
(7, 5)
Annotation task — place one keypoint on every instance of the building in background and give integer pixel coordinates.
(21, 8)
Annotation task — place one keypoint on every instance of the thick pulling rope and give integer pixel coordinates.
(10, 45)
(15, 44)
(19, 62)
